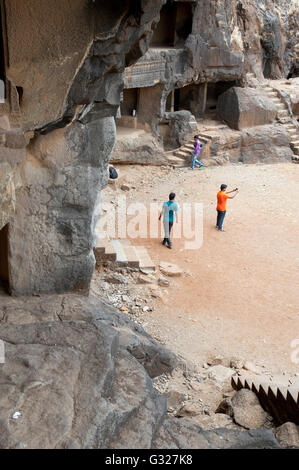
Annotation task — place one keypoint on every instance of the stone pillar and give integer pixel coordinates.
(172, 101)
(202, 98)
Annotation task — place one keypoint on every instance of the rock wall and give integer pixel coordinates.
(69, 73)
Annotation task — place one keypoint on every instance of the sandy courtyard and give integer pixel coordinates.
(240, 294)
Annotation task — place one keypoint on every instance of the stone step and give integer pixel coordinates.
(295, 142)
(102, 244)
(281, 106)
(176, 161)
(121, 257)
(145, 262)
(123, 253)
(204, 140)
(187, 149)
(205, 136)
(182, 154)
(109, 253)
(189, 146)
(133, 260)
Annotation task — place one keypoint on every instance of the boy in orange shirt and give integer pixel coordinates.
(222, 197)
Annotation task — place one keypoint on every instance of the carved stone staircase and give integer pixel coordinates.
(123, 253)
(285, 118)
(182, 157)
(280, 397)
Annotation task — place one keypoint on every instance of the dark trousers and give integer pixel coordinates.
(167, 229)
(220, 219)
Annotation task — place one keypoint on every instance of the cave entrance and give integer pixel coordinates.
(214, 90)
(173, 102)
(129, 103)
(127, 116)
(294, 72)
(201, 99)
(4, 265)
(174, 26)
(139, 107)
(267, 71)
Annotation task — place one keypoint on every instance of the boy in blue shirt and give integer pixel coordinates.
(169, 208)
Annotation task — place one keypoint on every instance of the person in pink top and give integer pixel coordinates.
(196, 153)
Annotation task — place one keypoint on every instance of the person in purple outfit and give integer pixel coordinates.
(196, 153)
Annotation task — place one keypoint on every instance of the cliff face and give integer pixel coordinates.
(64, 79)
(68, 75)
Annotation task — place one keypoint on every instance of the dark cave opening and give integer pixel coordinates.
(4, 264)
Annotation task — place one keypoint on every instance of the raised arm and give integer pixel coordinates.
(236, 191)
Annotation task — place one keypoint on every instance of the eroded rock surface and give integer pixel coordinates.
(245, 107)
(77, 375)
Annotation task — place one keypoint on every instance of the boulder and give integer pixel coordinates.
(163, 282)
(288, 435)
(116, 279)
(174, 399)
(245, 107)
(170, 269)
(182, 126)
(142, 149)
(143, 279)
(220, 373)
(208, 393)
(251, 367)
(236, 363)
(76, 376)
(247, 411)
(295, 103)
(215, 360)
(265, 144)
(189, 409)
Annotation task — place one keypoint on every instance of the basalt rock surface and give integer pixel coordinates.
(64, 83)
(77, 375)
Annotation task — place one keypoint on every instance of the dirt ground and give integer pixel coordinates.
(240, 292)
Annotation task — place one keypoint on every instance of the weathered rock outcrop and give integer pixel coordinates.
(245, 107)
(265, 144)
(77, 375)
(142, 148)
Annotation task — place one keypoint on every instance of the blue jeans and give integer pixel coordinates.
(167, 229)
(196, 161)
(220, 219)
